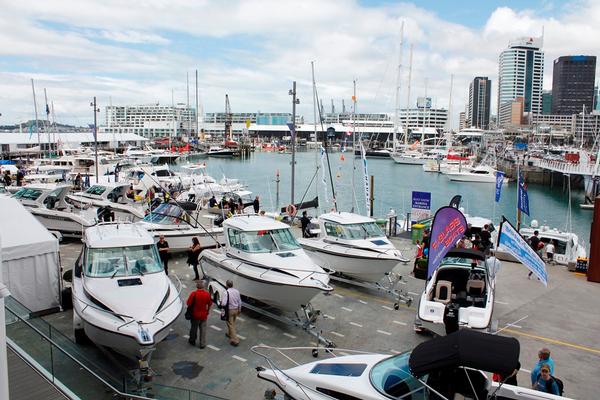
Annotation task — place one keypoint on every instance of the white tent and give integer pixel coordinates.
(30, 262)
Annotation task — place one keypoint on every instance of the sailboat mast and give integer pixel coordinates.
(36, 120)
(293, 129)
(47, 127)
(449, 137)
(312, 68)
(410, 60)
(197, 111)
(353, 144)
(398, 84)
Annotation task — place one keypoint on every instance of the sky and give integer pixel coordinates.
(142, 52)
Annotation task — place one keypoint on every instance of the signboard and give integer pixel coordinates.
(449, 225)
(421, 206)
(423, 102)
(510, 241)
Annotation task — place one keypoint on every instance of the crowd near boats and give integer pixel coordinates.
(123, 299)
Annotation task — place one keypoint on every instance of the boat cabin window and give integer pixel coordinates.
(166, 214)
(28, 194)
(117, 194)
(353, 231)
(163, 173)
(392, 378)
(122, 261)
(96, 190)
(52, 198)
(264, 241)
(339, 369)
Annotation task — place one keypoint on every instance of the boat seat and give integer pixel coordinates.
(443, 292)
(475, 287)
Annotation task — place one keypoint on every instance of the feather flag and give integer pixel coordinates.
(366, 182)
(323, 177)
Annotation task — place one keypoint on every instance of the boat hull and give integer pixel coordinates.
(66, 225)
(364, 268)
(285, 297)
(181, 240)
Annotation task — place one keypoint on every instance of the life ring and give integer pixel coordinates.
(291, 210)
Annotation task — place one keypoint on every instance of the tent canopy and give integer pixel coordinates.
(466, 348)
(22, 234)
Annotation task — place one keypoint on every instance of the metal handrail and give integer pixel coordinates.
(99, 378)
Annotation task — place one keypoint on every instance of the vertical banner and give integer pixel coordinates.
(499, 182)
(421, 206)
(523, 200)
(367, 185)
(509, 240)
(449, 225)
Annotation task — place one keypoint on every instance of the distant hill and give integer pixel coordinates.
(41, 124)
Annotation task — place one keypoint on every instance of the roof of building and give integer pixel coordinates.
(72, 137)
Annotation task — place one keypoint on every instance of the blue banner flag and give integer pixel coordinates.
(509, 240)
(523, 200)
(449, 225)
(30, 131)
(499, 182)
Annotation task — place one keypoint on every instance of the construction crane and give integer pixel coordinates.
(228, 119)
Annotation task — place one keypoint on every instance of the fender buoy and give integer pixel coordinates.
(291, 210)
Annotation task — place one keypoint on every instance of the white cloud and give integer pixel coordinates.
(57, 42)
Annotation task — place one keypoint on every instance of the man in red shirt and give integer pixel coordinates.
(200, 302)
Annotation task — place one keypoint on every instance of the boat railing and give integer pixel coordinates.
(78, 372)
(132, 319)
(287, 269)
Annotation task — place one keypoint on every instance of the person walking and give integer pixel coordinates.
(543, 359)
(546, 383)
(550, 252)
(200, 302)
(193, 253)
(20, 176)
(256, 205)
(534, 242)
(163, 252)
(233, 303)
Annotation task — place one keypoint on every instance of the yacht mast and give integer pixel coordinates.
(315, 137)
(398, 85)
(354, 145)
(36, 120)
(47, 127)
(449, 137)
(410, 58)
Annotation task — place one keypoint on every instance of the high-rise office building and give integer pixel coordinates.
(480, 91)
(573, 81)
(521, 74)
(547, 102)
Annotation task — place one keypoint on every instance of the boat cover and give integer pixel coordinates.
(465, 253)
(466, 348)
(314, 203)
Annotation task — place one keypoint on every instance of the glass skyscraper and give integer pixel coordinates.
(521, 74)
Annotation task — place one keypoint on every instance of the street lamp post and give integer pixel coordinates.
(96, 111)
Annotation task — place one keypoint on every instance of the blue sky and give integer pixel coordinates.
(254, 49)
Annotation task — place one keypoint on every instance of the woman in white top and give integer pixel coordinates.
(550, 252)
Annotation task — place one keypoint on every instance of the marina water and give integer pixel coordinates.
(393, 188)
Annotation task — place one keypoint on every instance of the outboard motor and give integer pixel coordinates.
(451, 318)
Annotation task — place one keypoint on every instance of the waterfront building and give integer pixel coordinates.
(251, 122)
(564, 123)
(151, 121)
(520, 75)
(511, 113)
(462, 121)
(573, 81)
(480, 90)
(547, 102)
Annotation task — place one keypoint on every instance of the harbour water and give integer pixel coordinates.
(393, 188)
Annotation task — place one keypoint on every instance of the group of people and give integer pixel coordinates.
(232, 206)
(7, 178)
(542, 375)
(200, 302)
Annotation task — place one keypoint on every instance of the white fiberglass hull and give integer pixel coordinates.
(466, 177)
(68, 224)
(287, 296)
(181, 239)
(409, 160)
(360, 264)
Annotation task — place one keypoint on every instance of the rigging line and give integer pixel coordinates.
(306, 191)
(326, 153)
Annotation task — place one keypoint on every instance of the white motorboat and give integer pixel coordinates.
(567, 248)
(352, 245)
(446, 368)
(412, 157)
(113, 195)
(122, 298)
(460, 293)
(265, 263)
(481, 173)
(48, 174)
(218, 151)
(47, 203)
(179, 227)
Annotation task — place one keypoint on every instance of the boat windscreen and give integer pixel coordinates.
(353, 231)
(113, 262)
(392, 378)
(166, 214)
(96, 190)
(264, 241)
(28, 194)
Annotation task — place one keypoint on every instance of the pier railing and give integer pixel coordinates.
(567, 167)
(77, 374)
